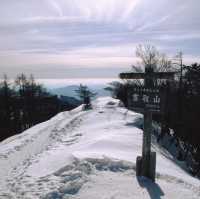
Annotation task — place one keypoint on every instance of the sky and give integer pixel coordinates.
(92, 38)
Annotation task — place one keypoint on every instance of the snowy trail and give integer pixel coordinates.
(19, 152)
(87, 155)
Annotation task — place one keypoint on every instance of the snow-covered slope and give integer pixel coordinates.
(88, 155)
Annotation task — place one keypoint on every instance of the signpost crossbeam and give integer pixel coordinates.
(156, 75)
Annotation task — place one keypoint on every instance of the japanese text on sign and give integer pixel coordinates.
(142, 97)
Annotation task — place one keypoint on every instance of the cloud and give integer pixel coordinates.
(89, 34)
(57, 7)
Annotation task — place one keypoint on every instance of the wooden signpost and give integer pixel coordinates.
(147, 99)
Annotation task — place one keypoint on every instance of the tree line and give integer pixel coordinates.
(24, 103)
(182, 104)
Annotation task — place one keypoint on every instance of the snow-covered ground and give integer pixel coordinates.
(88, 155)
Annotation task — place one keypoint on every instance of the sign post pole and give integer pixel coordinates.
(147, 99)
(146, 145)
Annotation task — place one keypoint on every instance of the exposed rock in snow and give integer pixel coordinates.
(88, 154)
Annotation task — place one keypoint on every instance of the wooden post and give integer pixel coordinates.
(146, 145)
(146, 165)
(152, 170)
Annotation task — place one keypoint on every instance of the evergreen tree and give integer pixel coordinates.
(85, 95)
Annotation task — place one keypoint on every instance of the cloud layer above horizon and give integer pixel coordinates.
(87, 38)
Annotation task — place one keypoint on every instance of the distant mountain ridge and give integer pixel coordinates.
(70, 90)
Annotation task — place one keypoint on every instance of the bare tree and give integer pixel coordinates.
(151, 57)
(21, 82)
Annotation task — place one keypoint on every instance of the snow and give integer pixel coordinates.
(88, 154)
